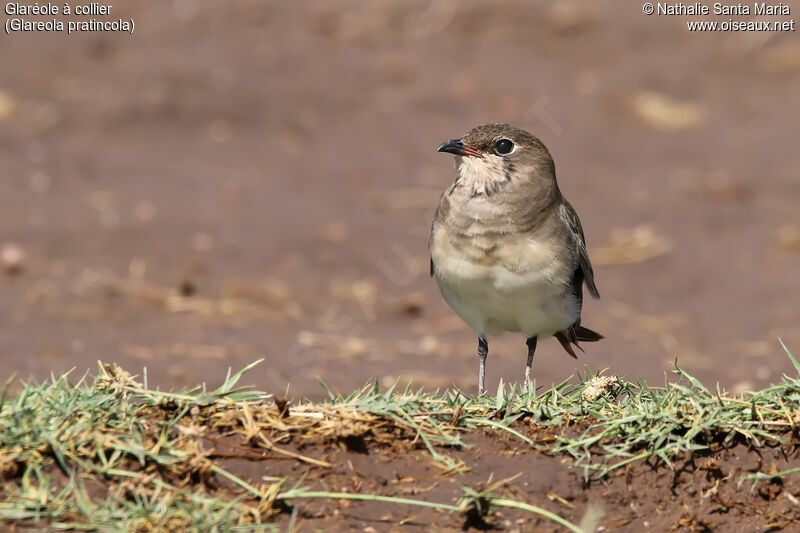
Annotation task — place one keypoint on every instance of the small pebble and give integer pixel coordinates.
(12, 258)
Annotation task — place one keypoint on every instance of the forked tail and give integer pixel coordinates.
(574, 335)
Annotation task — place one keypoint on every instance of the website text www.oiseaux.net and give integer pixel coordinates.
(758, 10)
(740, 25)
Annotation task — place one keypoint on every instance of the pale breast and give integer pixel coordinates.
(504, 283)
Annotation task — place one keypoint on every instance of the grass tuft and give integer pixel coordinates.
(107, 452)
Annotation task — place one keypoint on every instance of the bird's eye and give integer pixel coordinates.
(503, 147)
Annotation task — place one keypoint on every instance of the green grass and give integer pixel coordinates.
(105, 452)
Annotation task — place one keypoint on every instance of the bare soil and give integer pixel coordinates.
(702, 492)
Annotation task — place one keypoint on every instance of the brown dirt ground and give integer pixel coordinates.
(256, 180)
(701, 494)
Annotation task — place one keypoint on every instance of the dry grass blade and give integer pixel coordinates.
(268, 444)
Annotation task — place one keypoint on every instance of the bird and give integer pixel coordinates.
(507, 250)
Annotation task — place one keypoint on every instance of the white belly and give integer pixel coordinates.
(522, 291)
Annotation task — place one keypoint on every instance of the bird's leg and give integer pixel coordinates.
(531, 342)
(483, 351)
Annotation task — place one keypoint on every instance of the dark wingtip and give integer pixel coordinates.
(593, 290)
(587, 335)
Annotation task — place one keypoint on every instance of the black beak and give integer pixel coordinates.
(455, 146)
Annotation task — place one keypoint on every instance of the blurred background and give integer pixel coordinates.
(257, 179)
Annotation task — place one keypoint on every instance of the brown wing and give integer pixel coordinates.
(584, 273)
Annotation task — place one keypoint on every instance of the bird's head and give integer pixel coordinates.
(499, 156)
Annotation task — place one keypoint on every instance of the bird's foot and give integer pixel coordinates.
(526, 385)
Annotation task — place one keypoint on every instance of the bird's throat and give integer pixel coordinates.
(481, 176)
